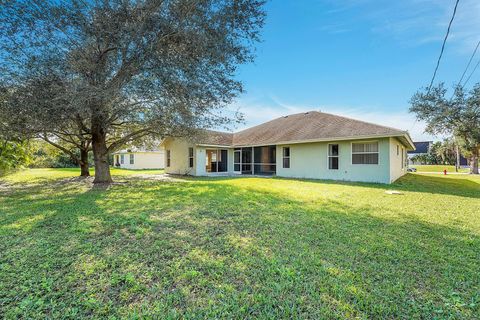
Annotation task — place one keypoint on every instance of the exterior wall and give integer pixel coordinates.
(179, 160)
(142, 160)
(310, 160)
(307, 160)
(396, 168)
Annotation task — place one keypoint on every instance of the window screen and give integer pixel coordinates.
(333, 156)
(365, 153)
(190, 157)
(286, 157)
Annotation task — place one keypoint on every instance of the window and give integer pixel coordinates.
(365, 153)
(122, 159)
(190, 157)
(397, 149)
(286, 157)
(132, 158)
(333, 156)
(168, 158)
(403, 160)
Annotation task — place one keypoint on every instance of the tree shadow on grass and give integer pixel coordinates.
(416, 183)
(462, 187)
(410, 182)
(213, 250)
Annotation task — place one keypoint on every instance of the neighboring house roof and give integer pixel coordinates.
(421, 147)
(304, 127)
(137, 150)
(146, 146)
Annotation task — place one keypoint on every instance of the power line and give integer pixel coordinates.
(473, 71)
(443, 45)
(459, 83)
(468, 64)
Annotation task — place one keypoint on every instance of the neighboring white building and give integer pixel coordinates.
(139, 159)
(311, 145)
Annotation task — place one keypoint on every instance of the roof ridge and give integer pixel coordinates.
(367, 122)
(306, 126)
(327, 113)
(274, 119)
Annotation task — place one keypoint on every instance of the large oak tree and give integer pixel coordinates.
(132, 68)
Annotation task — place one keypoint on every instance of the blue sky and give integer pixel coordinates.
(358, 58)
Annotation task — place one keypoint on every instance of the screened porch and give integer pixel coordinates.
(255, 160)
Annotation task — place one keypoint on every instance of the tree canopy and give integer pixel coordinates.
(39, 108)
(126, 69)
(458, 116)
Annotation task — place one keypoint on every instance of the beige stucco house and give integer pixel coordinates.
(139, 158)
(312, 145)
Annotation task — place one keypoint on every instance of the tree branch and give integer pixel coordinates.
(134, 135)
(69, 152)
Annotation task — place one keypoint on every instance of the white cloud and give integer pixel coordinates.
(415, 22)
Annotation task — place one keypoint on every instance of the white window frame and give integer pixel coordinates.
(365, 142)
(403, 158)
(122, 159)
(131, 158)
(329, 156)
(286, 157)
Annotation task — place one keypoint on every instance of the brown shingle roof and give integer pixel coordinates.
(307, 126)
(217, 138)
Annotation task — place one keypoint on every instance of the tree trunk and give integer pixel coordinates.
(474, 164)
(84, 170)
(100, 153)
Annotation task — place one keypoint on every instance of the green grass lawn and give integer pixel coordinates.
(238, 248)
(438, 168)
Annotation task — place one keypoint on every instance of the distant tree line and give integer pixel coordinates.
(35, 153)
(44, 155)
(13, 155)
(457, 116)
